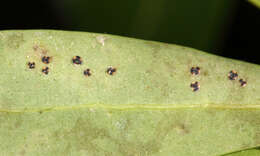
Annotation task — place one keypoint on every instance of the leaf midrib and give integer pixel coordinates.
(126, 107)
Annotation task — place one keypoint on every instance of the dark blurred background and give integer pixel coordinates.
(229, 28)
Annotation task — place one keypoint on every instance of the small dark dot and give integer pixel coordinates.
(195, 70)
(46, 59)
(232, 75)
(76, 60)
(242, 83)
(111, 70)
(31, 65)
(87, 72)
(195, 86)
(45, 70)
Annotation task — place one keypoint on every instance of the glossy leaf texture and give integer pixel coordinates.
(78, 93)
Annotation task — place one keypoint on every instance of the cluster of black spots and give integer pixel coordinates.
(111, 70)
(232, 75)
(31, 65)
(87, 72)
(46, 59)
(195, 86)
(77, 60)
(45, 70)
(242, 83)
(195, 70)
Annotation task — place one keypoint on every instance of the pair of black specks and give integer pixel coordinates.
(195, 85)
(45, 60)
(233, 75)
(78, 61)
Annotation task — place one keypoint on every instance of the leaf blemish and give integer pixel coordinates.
(87, 72)
(15, 40)
(232, 75)
(195, 86)
(46, 59)
(35, 47)
(40, 50)
(77, 60)
(182, 129)
(45, 70)
(111, 70)
(31, 65)
(101, 40)
(242, 83)
(195, 70)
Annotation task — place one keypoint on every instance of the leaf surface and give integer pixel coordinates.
(249, 152)
(146, 107)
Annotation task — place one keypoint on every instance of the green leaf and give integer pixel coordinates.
(249, 152)
(255, 2)
(145, 108)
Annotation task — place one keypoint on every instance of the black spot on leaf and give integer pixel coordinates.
(46, 59)
(232, 75)
(242, 83)
(195, 70)
(77, 60)
(87, 72)
(45, 70)
(111, 70)
(195, 86)
(31, 65)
